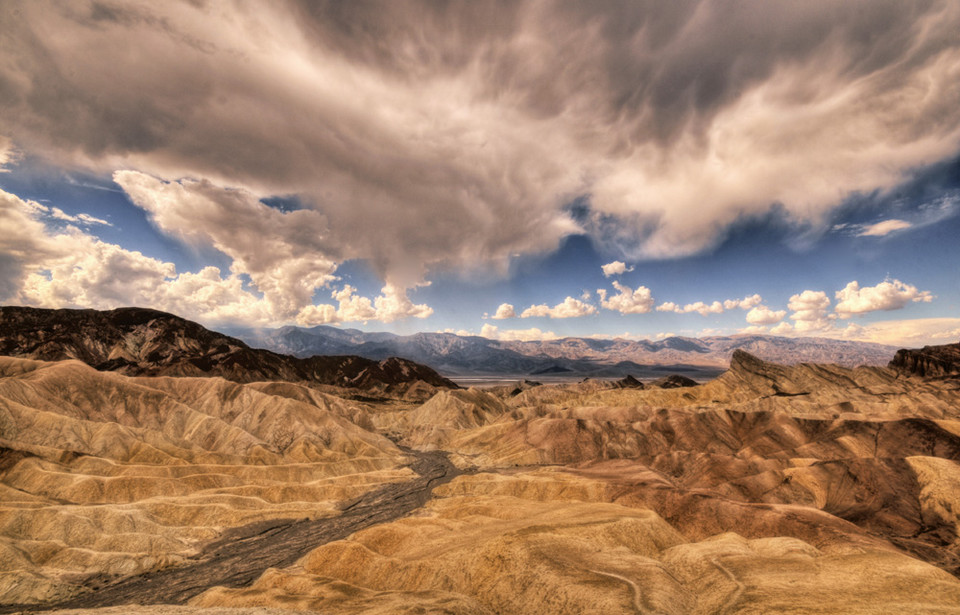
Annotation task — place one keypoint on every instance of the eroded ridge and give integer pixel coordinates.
(243, 554)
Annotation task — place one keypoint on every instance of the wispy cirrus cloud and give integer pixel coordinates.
(883, 228)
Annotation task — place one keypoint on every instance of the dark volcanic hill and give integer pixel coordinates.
(929, 361)
(143, 342)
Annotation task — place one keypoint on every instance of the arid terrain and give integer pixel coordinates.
(810, 488)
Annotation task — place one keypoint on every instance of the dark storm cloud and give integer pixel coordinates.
(452, 134)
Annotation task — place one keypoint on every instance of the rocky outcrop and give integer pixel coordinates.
(929, 361)
(628, 382)
(673, 381)
(143, 342)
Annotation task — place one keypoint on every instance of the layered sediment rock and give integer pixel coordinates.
(929, 361)
(809, 488)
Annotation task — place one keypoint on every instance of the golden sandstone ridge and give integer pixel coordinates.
(772, 489)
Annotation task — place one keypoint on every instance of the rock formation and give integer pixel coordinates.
(929, 361)
(675, 381)
(142, 342)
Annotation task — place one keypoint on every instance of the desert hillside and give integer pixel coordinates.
(806, 489)
(143, 342)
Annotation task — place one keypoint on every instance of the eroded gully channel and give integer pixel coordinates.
(242, 554)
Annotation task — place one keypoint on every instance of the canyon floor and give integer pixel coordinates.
(771, 489)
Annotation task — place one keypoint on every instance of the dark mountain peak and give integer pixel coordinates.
(629, 382)
(929, 361)
(673, 381)
(144, 342)
(741, 360)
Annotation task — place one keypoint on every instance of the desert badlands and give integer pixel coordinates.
(143, 472)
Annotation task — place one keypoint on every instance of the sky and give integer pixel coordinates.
(518, 170)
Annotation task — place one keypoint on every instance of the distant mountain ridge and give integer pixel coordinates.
(456, 355)
(144, 342)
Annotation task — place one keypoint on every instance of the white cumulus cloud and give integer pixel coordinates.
(67, 267)
(885, 296)
(615, 268)
(714, 307)
(744, 304)
(569, 308)
(504, 310)
(810, 312)
(515, 335)
(392, 304)
(627, 300)
(763, 315)
(48, 265)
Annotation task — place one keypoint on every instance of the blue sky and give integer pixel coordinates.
(479, 178)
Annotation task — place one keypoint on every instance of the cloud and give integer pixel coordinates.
(810, 312)
(714, 307)
(431, 137)
(504, 310)
(784, 328)
(285, 253)
(905, 333)
(762, 315)
(55, 266)
(615, 268)
(744, 304)
(55, 213)
(569, 308)
(516, 335)
(887, 295)
(8, 154)
(66, 267)
(704, 309)
(627, 301)
(881, 229)
(392, 304)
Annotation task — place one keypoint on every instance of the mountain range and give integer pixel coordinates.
(143, 342)
(459, 356)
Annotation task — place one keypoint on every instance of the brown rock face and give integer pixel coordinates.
(674, 381)
(629, 382)
(929, 361)
(143, 342)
